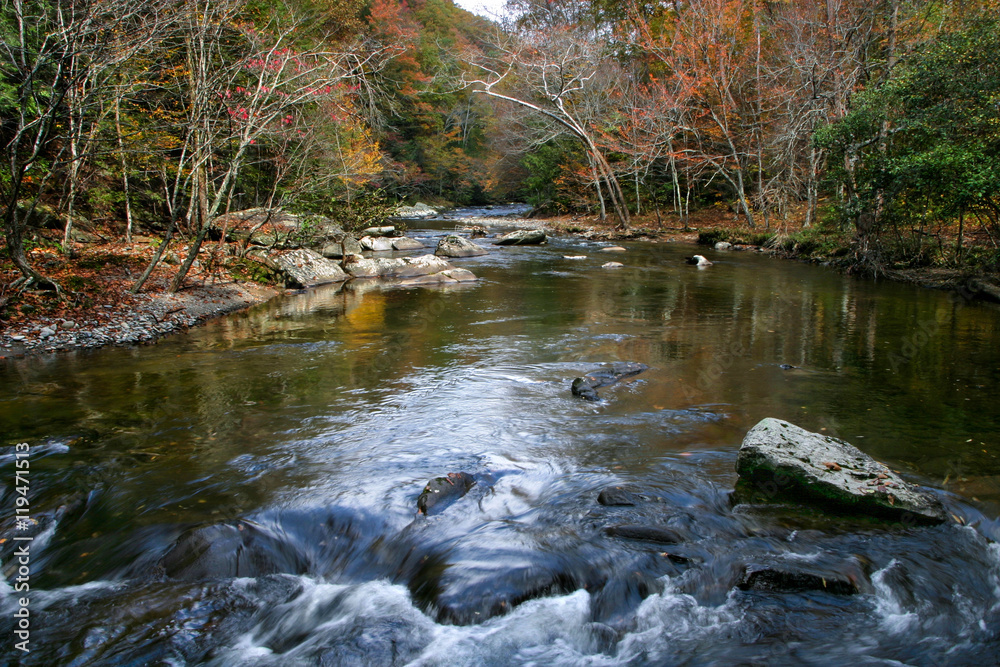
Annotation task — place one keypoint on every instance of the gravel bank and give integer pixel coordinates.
(150, 317)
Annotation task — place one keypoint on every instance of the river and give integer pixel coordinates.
(245, 493)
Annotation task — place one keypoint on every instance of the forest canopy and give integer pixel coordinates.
(880, 120)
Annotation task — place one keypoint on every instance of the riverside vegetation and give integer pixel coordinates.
(859, 133)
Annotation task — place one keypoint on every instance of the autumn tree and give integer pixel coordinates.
(244, 83)
(564, 77)
(51, 55)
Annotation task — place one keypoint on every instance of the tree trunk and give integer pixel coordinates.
(204, 223)
(961, 237)
(600, 193)
(14, 231)
(156, 257)
(124, 163)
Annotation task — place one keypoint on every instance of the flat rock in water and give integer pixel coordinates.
(448, 276)
(405, 243)
(612, 265)
(454, 245)
(441, 492)
(780, 460)
(307, 267)
(587, 385)
(614, 248)
(522, 237)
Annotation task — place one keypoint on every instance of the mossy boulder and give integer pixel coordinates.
(779, 461)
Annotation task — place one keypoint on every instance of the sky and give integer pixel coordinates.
(487, 8)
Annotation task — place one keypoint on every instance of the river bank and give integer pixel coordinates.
(101, 311)
(711, 227)
(98, 309)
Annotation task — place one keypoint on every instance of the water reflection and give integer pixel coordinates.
(315, 420)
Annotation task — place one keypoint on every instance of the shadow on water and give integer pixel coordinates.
(247, 493)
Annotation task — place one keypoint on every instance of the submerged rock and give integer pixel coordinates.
(781, 581)
(467, 593)
(782, 461)
(442, 278)
(522, 237)
(587, 385)
(656, 534)
(226, 550)
(454, 245)
(441, 492)
(619, 496)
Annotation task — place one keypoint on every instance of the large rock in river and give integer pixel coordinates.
(418, 210)
(307, 268)
(780, 460)
(346, 246)
(522, 237)
(399, 267)
(454, 245)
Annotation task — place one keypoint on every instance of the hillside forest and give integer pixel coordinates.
(868, 129)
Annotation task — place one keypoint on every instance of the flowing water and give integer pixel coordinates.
(245, 494)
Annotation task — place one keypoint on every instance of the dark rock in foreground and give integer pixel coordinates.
(467, 593)
(522, 237)
(613, 496)
(226, 550)
(782, 461)
(779, 581)
(646, 533)
(441, 492)
(587, 385)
